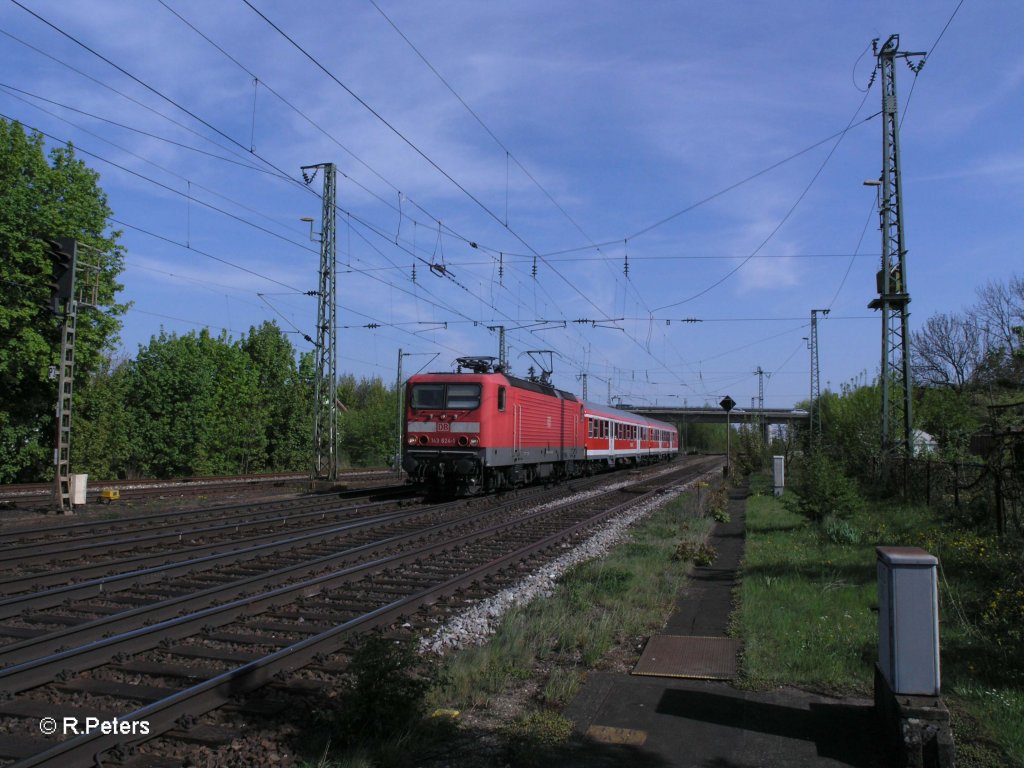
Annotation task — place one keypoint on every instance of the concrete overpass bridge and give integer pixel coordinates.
(715, 415)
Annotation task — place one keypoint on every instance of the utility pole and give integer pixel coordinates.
(892, 285)
(502, 348)
(815, 406)
(400, 397)
(760, 404)
(325, 407)
(685, 406)
(399, 393)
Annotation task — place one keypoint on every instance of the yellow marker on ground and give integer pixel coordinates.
(606, 734)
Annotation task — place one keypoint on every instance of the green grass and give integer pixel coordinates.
(808, 613)
(552, 642)
(597, 605)
(806, 616)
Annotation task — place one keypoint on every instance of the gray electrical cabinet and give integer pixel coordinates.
(779, 474)
(908, 620)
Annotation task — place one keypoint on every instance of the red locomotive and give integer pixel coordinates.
(485, 431)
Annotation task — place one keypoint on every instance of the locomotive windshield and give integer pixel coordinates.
(455, 396)
(428, 395)
(464, 396)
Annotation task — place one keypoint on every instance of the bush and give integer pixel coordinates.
(531, 738)
(839, 531)
(388, 693)
(823, 490)
(700, 553)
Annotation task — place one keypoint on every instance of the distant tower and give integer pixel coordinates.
(815, 407)
(761, 423)
(893, 291)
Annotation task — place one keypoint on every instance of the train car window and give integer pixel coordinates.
(465, 396)
(428, 395)
(501, 398)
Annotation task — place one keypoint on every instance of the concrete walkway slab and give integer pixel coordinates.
(662, 721)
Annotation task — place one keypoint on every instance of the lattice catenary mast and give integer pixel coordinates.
(761, 424)
(815, 406)
(893, 291)
(325, 405)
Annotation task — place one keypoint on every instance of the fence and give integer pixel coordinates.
(987, 489)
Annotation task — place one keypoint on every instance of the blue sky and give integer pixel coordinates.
(704, 143)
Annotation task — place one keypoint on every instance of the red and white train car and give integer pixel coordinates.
(486, 430)
(620, 437)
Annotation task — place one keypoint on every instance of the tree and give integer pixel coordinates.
(106, 444)
(284, 407)
(851, 428)
(367, 428)
(999, 312)
(195, 402)
(43, 200)
(949, 416)
(946, 351)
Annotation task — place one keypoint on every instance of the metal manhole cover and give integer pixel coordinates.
(702, 658)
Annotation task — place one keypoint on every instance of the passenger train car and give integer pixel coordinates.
(486, 430)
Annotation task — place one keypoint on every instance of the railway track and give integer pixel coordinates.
(33, 495)
(163, 645)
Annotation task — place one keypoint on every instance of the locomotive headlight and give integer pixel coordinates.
(411, 440)
(474, 442)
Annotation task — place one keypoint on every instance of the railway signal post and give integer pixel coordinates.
(728, 404)
(69, 292)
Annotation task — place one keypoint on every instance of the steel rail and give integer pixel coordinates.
(107, 542)
(197, 563)
(24, 668)
(19, 658)
(147, 487)
(154, 521)
(168, 713)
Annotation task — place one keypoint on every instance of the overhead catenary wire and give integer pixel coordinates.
(509, 155)
(785, 217)
(636, 341)
(285, 100)
(423, 155)
(110, 88)
(367, 264)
